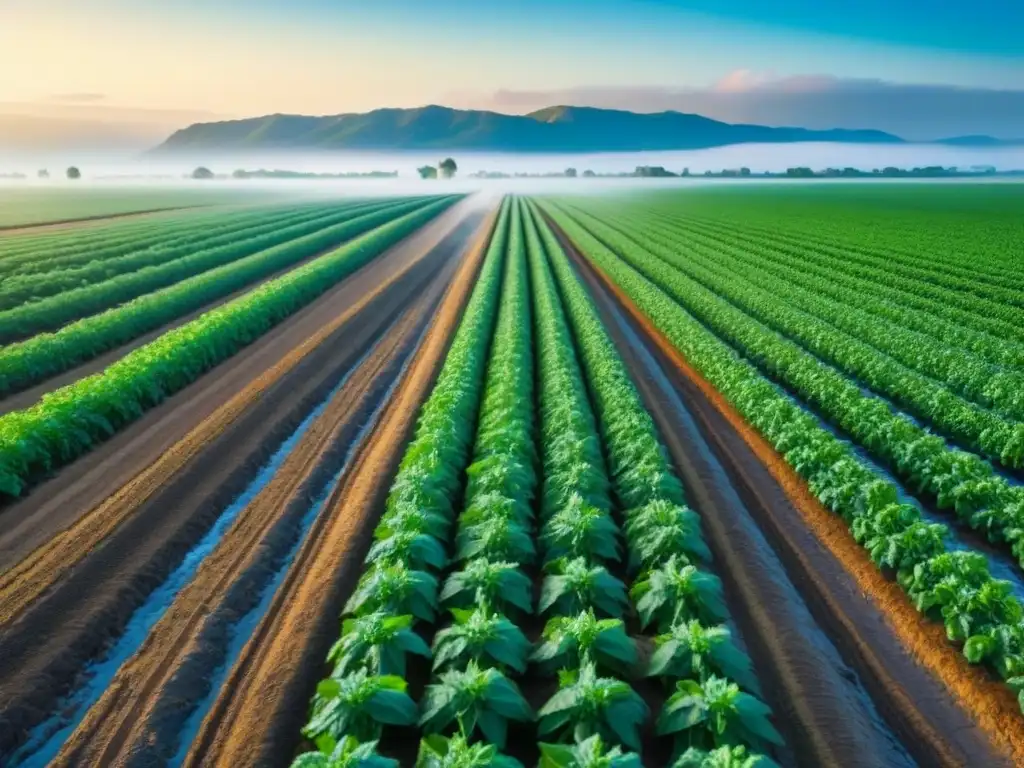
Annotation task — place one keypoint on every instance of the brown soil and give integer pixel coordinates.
(264, 702)
(87, 483)
(143, 709)
(62, 602)
(988, 703)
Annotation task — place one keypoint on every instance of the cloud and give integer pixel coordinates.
(77, 98)
(915, 112)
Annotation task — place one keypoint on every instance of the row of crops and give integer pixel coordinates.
(538, 591)
(301, 253)
(824, 379)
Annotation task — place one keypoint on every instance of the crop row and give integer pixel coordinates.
(865, 348)
(925, 225)
(979, 613)
(67, 422)
(514, 528)
(876, 299)
(954, 479)
(673, 593)
(46, 280)
(54, 311)
(983, 306)
(986, 279)
(1001, 321)
(77, 246)
(47, 354)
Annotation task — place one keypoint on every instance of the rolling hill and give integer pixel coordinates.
(554, 129)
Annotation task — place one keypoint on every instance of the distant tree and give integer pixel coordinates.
(241, 174)
(589, 174)
(744, 171)
(427, 172)
(74, 173)
(448, 167)
(202, 173)
(686, 172)
(43, 174)
(800, 173)
(570, 173)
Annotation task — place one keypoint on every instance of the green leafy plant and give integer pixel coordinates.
(359, 705)
(346, 752)
(676, 592)
(418, 551)
(589, 753)
(486, 638)
(498, 585)
(436, 751)
(722, 757)
(691, 650)
(579, 530)
(716, 713)
(586, 705)
(474, 697)
(575, 585)
(394, 588)
(569, 642)
(377, 642)
(660, 529)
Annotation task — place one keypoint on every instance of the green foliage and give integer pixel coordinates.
(377, 642)
(573, 586)
(488, 639)
(587, 705)
(395, 589)
(570, 642)
(677, 592)
(716, 713)
(484, 582)
(474, 697)
(691, 650)
(896, 538)
(359, 705)
(723, 757)
(69, 421)
(438, 752)
(590, 753)
(346, 752)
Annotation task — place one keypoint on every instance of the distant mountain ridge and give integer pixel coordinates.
(554, 129)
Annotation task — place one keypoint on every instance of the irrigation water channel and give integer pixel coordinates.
(46, 739)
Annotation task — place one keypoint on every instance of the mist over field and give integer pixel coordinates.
(757, 157)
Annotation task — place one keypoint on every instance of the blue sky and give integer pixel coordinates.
(752, 60)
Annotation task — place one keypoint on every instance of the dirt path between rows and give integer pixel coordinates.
(946, 712)
(63, 604)
(57, 503)
(139, 718)
(265, 699)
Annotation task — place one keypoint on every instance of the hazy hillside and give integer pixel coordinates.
(555, 129)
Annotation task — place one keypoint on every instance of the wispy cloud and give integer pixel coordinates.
(916, 112)
(77, 98)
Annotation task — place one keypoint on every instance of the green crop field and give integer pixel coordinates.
(64, 202)
(716, 474)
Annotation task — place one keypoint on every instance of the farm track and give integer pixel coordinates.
(116, 550)
(758, 522)
(55, 504)
(139, 718)
(256, 719)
